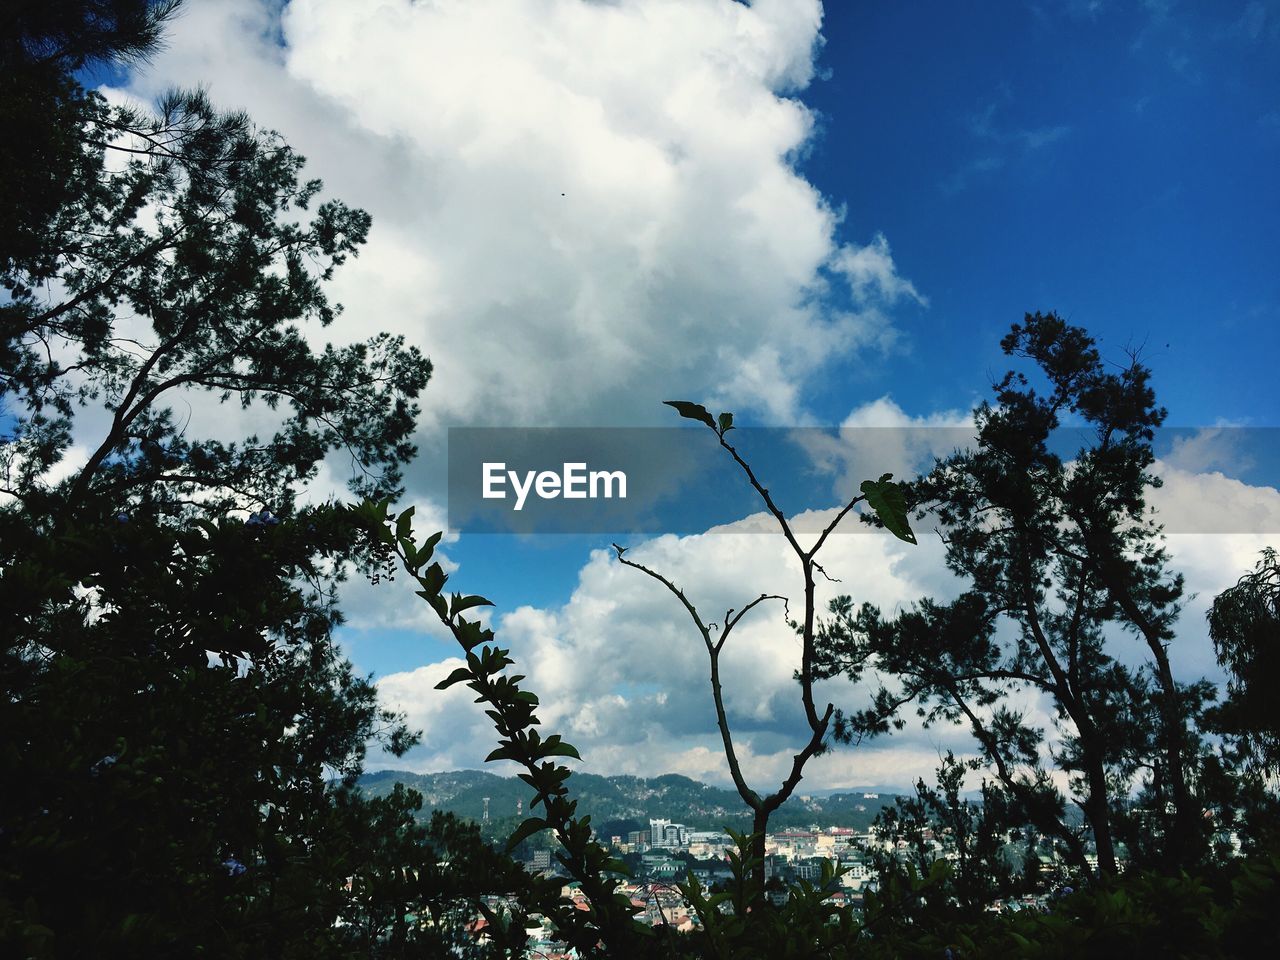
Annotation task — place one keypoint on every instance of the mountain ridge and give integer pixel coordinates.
(623, 802)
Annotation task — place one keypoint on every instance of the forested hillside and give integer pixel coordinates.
(619, 802)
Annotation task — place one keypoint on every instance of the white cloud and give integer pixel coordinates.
(880, 437)
(1221, 527)
(579, 209)
(871, 273)
(11, 465)
(1211, 502)
(455, 726)
(1221, 446)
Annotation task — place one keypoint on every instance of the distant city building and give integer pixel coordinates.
(857, 872)
(709, 836)
(808, 869)
(664, 833)
(710, 844)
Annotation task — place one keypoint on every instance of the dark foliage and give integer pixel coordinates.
(1244, 624)
(158, 265)
(181, 736)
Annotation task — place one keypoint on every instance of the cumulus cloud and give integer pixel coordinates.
(1220, 527)
(1223, 447)
(1211, 502)
(880, 437)
(579, 208)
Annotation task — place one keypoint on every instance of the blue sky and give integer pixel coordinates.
(1118, 166)
(808, 216)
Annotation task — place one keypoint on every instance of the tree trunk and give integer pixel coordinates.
(1099, 813)
(759, 830)
(1179, 840)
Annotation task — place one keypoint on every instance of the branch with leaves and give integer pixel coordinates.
(888, 502)
(607, 924)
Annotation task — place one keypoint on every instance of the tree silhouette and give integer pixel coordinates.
(1054, 551)
(1244, 623)
(181, 735)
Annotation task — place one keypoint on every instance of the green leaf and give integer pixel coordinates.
(555, 747)
(939, 871)
(726, 423)
(525, 830)
(437, 604)
(458, 675)
(433, 579)
(692, 411)
(461, 603)
(428, 548)
(404, 523)
(614, 865)
(889, 501)
(467, 632)
(500, 753)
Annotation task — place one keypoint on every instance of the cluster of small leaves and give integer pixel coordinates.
(192, 266)
(414, 887)
(1244, 623)
(982, 864)
(1142, 914)
(607, 924)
